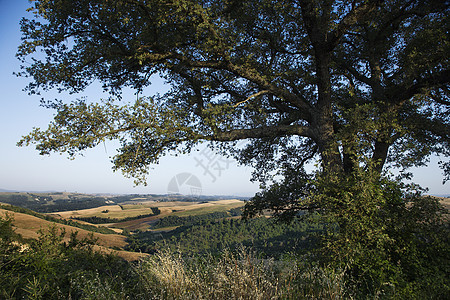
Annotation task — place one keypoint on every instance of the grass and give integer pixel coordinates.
(28, 226)
(133, 206)
(176, 208)
(170, 228)
(239, 275)
(141, 224)
(180, 209)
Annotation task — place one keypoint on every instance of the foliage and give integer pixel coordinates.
(268, 238)
(7, 234)
(48, 268)
(350, 85)
(388, 237)
(238, 275)
(171, 221)
(286, 199)
(341, 82)
(51, 269)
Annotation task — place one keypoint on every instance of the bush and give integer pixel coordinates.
(391, 240)
(49, 268)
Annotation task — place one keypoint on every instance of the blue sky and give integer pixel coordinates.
(24, 169)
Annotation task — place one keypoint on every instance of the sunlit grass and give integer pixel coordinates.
(239, 275)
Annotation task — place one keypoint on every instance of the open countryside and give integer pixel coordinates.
(117, 208)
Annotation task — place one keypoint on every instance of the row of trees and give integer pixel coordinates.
(171, 221)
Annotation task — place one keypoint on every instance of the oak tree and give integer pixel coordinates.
(349, 84)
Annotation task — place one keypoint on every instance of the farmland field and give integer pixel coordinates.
(178, 208)
(126, 213)
(28, 226)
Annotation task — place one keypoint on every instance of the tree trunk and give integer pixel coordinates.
(379, 155)
(323, 121)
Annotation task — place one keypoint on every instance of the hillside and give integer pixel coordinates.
(64, 201)
(146, 223)
(28, 226)
(38, 211)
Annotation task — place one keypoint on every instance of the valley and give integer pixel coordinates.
(113, 220)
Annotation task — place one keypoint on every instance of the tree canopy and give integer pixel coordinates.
(348, 83)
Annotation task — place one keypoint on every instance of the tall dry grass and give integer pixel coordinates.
(169, 275)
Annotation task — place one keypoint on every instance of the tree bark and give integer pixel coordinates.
(331, 158)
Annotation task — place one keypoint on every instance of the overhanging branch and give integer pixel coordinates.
(261, 132)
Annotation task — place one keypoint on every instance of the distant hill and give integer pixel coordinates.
(48, 202)
(442, 195)
(54, 201)
(7, 191)
(28, 226)
(121, 213)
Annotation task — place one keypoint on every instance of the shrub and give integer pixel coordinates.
(48, 268)
(391, 240)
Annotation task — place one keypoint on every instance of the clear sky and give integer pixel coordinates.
(23, 169)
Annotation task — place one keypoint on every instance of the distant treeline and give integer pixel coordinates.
(267, 237)
(46, 204)
(27, 211)
(101, 220)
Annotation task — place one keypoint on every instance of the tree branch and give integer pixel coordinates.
(260, 132)
(436, 80)
(354, 16)
(251, 96)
